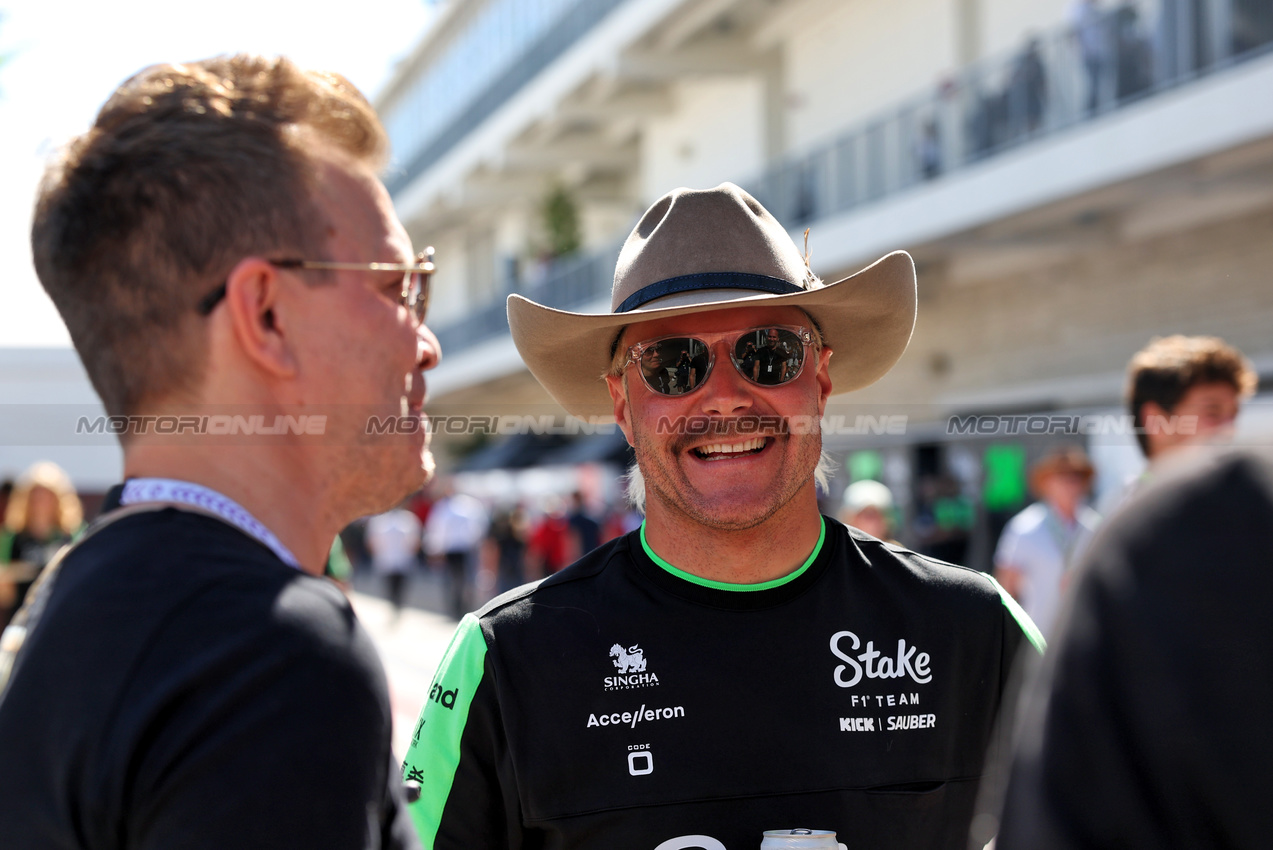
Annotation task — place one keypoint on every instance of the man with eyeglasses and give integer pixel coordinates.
(740, 662)
(226, 260)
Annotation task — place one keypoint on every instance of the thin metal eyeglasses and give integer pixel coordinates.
(415, 280)
(768, 356)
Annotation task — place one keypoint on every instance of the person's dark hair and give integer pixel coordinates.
(1167, 368)
(187, 170)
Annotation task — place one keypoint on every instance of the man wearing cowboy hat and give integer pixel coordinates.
(740, 662)
(1039, 544)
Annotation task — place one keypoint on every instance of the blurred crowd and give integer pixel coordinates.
(473, 549)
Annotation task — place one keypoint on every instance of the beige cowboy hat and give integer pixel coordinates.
(700, 250)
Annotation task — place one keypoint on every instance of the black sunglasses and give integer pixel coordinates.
(415, 280)
(674, 365)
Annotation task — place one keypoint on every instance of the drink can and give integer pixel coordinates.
(800, 839)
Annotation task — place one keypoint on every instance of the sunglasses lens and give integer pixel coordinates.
(675, 365)
(769, 356)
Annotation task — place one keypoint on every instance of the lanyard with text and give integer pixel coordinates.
(141, 490)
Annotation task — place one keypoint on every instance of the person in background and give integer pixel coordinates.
(548, 547)
(868, 506)
(1088, 24)
(42, 514)
(1186, 389)
(508, 533)
(1182, 391)
(1039, 545)
(455, 530)
(1148, 723)
(393, 540)
(585, 531)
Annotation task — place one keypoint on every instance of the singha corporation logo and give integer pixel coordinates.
(630, 660)
(631, 665)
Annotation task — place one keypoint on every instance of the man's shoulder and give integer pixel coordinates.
(576, 579)
(923, 570)
(1028, 520)
(171, 571)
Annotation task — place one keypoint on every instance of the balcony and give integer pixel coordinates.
(1066, 113)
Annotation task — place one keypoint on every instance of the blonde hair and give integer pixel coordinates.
(53, 478)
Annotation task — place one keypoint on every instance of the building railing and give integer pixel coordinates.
(427, 123)
(566, 284)
(1099, 63)
(1056, 81)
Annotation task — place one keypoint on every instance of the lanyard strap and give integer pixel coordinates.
(171, 491)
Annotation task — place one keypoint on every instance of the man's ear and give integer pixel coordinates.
(824, 379)
(619, 395)
(1152, 417)
(252, 292)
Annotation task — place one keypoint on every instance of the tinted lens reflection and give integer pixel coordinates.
(769, 356)
(674, 366)
(417, 294)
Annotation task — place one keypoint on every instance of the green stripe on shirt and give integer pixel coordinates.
(722, 585)
(1018, 613)
(434, 753)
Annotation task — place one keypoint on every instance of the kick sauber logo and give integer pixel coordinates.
(631, 665)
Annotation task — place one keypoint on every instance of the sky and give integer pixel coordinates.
(67, 56)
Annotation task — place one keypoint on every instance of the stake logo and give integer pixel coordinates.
(873, 664)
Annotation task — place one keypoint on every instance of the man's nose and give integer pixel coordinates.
(726, 391)
(428, 349)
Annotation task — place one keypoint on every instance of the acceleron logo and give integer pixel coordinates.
(630, 664)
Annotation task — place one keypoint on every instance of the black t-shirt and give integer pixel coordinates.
(771, 362)
(623, 703)
(185, 688)
(1150, 725)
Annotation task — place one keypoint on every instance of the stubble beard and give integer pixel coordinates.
(666, 481)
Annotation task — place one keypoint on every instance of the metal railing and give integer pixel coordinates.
(565, 32)
(1101, 62)
(565, 284)
(1067, 77)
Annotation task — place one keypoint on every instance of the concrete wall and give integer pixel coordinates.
(859, 58)
(448, 297)
(716, 133)
(1006, 24)
(1065, 332)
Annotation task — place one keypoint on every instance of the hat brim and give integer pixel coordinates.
(866, 319)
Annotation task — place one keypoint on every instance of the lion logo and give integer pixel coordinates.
(630, 660)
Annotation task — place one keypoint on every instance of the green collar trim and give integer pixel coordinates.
(724, 585)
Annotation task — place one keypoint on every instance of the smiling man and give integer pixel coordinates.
(224, 257)
(740, 662)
